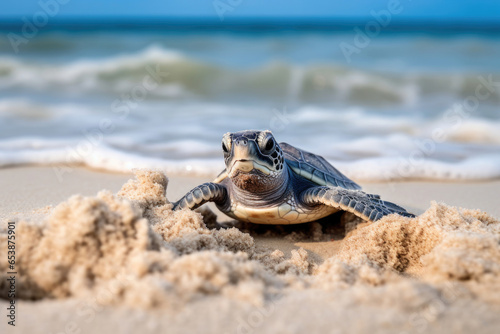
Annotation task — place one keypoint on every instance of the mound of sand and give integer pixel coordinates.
(132, 249)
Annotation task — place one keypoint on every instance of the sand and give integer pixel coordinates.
(122, 260)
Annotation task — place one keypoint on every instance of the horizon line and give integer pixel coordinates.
(257, 23)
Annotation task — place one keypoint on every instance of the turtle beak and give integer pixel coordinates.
(247, 166)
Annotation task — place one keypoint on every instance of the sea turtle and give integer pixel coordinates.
(269, 183)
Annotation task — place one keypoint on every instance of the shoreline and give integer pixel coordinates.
(28, 188)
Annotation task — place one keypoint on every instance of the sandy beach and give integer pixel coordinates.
(123, 261)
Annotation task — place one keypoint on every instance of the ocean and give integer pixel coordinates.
(397, 106)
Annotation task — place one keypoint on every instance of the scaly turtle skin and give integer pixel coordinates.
(269, 183)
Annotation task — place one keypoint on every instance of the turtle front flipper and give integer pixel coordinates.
(206, 192)
(366, 206)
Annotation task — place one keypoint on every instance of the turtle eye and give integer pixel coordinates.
(269, 145)
(226, 143)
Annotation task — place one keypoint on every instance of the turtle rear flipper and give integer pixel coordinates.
(366, 206)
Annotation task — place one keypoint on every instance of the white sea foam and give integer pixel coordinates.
(378, 168)
(365, 146)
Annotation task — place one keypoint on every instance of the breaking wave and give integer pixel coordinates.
(181, 77)
(381, 147)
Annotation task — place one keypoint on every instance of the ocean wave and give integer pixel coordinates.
(183, 77)
(64, 154)
(390, 114)
(370, 158)
(171, 121)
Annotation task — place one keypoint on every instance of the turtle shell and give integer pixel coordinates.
(315, 168)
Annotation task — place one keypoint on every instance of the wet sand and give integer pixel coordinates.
(27, 188)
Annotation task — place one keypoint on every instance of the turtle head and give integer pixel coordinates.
(254, 160)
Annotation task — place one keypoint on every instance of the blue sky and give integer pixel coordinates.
(463, 10)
